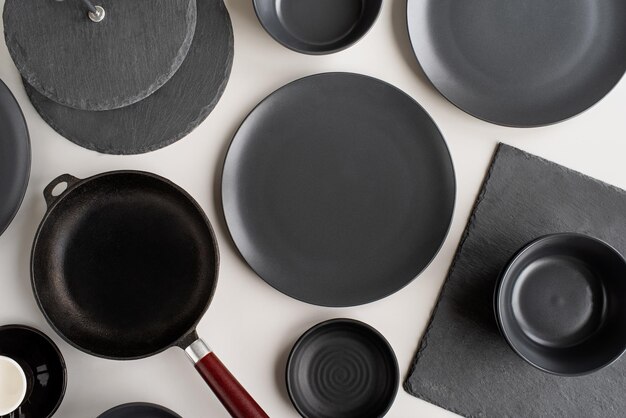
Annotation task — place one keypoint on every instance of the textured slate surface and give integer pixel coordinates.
(98, 66)
(167, 115)
(463, 364)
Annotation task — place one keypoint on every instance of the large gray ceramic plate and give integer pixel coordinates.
(338, 189)
(14, 156)
(520, 62)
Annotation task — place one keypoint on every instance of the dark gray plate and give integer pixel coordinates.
(68, 58)
(139, 410)
(317, 26)
(14, 157)
(168, 114)
(338, 189)
(520, 62)
(342, 368)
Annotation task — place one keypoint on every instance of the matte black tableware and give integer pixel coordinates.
(14, 157)
(124, 265)
(317, 26)
(171, 112)
(139, 410)
(88, 65)
(338, 189)
(520, 62)
(43, 365)
(342, 368)
(560, 304)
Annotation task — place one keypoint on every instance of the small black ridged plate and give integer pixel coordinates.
(14, 157)
(168, 114)
(124, 58)
(463, 363)
(139, 410)
(342, 368)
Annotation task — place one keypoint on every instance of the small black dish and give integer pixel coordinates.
(560, 304)
(317, 27)
(139, 410)
(342, 368)
(43, 365)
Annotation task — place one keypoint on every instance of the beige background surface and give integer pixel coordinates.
(250, 325)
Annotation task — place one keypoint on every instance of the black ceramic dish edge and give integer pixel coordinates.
(221, 191)
(332, 51)
(486, 119)
(58, 352)
(496, 299)
(297, 344)
(26, 180)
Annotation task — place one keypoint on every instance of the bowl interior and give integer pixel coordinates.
(317, 26)
(560, 304)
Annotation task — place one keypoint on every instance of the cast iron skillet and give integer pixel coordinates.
(317, 26)
(14, 157)
(124, 265)
(342, 368)
(520, 62)
(560, 304)
(338, 189)
(139, 410)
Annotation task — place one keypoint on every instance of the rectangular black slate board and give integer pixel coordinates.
(463, 364)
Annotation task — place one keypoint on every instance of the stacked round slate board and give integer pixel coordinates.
(141, 79)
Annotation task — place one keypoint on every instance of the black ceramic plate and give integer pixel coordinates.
(14, 157)
(139, 410)
(167, 115)
(317, 26)
(338, 189)
(342, 368)
(43, 365)
(121, 60)
(560, 304)
(520, 62)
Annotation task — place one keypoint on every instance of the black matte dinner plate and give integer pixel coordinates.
(342, 368)
(139, 410)
(167, 115)
(338, 189)
(520, 62)
(43, 365)
(560, 304)
(14, 156)
(317, 26)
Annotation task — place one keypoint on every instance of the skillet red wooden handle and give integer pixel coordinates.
(228, 390)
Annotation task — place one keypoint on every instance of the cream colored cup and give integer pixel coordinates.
(12, 385)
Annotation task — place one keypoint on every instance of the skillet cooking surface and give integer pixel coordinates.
(520, 62)
(124, 264)
(338, 189)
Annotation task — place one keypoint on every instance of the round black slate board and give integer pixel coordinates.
(68, 58)
(167, 115)
(139, 410)
(43, 365)
(520, 63)
(342, 368)
(338, 189)
(14, 156)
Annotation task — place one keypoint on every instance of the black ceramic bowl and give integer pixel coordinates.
(43, 365)
(560, 304)
(317, 26)
(139, 410)
(342, 368)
